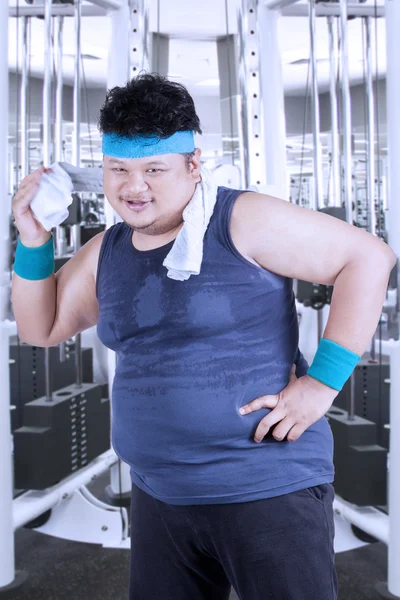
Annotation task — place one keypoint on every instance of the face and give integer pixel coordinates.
(162, 182)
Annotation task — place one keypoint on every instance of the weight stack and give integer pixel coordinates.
(371, 395)
(27, 374)
(61, 436)
(360, 463)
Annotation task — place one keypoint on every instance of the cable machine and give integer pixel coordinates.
(365, 418)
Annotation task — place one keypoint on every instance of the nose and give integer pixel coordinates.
(135, 184)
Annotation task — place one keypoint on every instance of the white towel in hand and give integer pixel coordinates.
(50, 205)
(186, 255)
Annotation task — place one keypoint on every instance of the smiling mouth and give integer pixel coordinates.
(136, 206)
(138, 201)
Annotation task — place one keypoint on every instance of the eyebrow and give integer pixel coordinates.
(153, 162)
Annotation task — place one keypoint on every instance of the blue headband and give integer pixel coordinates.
(122, 146)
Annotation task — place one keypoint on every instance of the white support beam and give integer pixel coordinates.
(7, 563)
(57, 10)
(332, 10)
(119, 72)
(107, 4)
(393, 137)
(272, 92)
(279, 4)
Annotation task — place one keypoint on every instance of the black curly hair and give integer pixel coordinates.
(149, 104)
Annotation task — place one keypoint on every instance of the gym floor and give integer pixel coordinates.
(61, 570)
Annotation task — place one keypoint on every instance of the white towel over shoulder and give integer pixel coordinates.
(186, 255)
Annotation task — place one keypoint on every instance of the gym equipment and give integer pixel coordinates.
(60, 436)
(27, 373)
(370, 377)
(360, 463)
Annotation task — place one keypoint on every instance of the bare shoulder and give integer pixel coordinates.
(297, 242)
(240, 232)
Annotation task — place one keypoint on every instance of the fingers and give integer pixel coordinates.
(295, 433)
(267, 422)
(34, 176)
(281, 431)
(25, 194)
(269, 401)
(261, 402)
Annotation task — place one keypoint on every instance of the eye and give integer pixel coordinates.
(119, 170)
(153, 170)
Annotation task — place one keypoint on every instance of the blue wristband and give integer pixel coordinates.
(34, 263)
(333, 364)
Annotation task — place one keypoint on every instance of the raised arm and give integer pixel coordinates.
(51, 310)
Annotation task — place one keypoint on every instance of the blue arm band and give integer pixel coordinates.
(333, 364)
(34, 263)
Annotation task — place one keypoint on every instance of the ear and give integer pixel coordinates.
(195, 165)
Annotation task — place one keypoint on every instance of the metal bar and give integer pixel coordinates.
(346, 109)
(30, 505)
(346, 136)
(60, 231)
(332, 10)
(279, 4)
(47, 376)
(107, 4)
(370, 142)
(46, 153)
(122, 22)
(59, 89)
(23, 100)
(76, 157)
(7, 562)
(367, 518)
(317, 151)
(47, 87)
(371, 129)
(76, 136)
(393, 136)
(58, 153)
(78, 359)
(62, 10)
(335, 156)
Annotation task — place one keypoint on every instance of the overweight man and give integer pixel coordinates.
(214, 408)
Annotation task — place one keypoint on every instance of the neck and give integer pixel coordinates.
(142, 241)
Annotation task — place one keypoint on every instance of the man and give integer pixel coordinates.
(230, 452)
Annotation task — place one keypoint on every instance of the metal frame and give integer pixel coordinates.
(279, 4)
(11, 516)
(7, 563)
(57, 10)
(393, 134)
(335, 150)
(251, 120)
(108, 4)
(346, 110)
(318, 200)
(329, 10)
